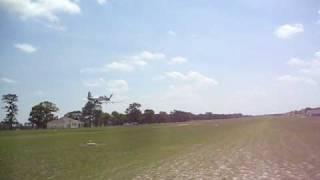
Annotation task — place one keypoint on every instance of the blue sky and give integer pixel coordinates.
(199, 55)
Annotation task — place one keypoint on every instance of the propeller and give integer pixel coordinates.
(115, 102)
(110, 96)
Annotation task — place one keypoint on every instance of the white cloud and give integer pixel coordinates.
(91, 70)
(149, 56)
(186, 90)
(317, 54)
(296, 62)
(159, 78)
(101, 2)
(288, 30)
(119, 66)
(44, 9)
(94, 83)
(191, 76)
(310, 68)
(172, 33)
(128, 63)
(118, 86)
(313, 68)
(8, 80)
(297, 79)
(143, 58)
(56, 27)
(177, 60)
(27, 48)
(139, 62)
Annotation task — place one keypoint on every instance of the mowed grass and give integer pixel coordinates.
(136, 151)
(121, 151)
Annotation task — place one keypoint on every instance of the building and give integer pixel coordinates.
(74, 115)
(64, 122)
(313, 112)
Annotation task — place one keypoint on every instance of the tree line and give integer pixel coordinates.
(92, 115)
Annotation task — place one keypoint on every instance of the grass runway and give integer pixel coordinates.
(246, 148)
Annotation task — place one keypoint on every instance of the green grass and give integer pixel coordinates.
(121, 153)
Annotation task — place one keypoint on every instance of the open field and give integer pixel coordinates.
(248, 148)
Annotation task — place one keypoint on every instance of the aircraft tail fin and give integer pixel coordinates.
(89, 95)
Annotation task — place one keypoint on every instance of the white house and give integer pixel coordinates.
(313, 112)
(64, 122)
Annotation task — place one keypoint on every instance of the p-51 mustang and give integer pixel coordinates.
(100, 99)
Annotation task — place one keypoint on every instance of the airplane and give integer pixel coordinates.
(100, 99)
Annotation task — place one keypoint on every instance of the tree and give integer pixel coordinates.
(162, 117)
(105, 119)
(42, 113)
(91, 113)
(11, 109)
(118, 118)
(134, 113)
(178, 116)
(148, 116)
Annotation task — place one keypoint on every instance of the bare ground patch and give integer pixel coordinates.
(263, 150)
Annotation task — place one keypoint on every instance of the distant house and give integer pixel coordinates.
(28, 125)
(74, 115)
(64, 122)
(313, 112)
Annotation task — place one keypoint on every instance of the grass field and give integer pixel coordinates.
(248, 148)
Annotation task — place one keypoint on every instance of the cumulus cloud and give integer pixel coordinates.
(94, 83)
(296, 62)
(56, 27)
(191, 76)
(297, 79)
(119, 66)
(101, 2)
(317, 54)
(24, 47)
(177, 60)
(8, 80)
(44, 9)
(128, 63)
(288, 30)
(117, 86)
(148, 56)
(310, 68)
(186, 88)
(172, 33)
(313, 68)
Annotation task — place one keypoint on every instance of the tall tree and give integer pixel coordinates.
(178, 116)
(162, 117)
(104, 119)
(118, 118)
(42, 113)
(91, 113)
(134, 113)
(11, 108)
(148, 116)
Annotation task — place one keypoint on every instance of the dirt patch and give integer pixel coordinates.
(184, 124)
(263, 150)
